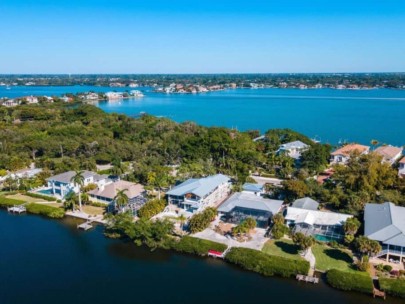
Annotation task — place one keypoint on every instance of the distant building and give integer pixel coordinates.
(197, 194)
(389, 154)
(256, 189)
(240, 206)
(293, 149)
(342, 155)
(324, 226)
(385, 223)
(31, 99)
(114, 95)
(107, 193)
(306, 203)
(61, 184)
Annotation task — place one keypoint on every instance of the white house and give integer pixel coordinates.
(390, 154)
(342, 155)
(324, 226)
(385, 223)
(61, 184)
(293, 149)
(197, 194)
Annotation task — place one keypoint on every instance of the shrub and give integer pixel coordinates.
(197, 246)
(265, 264)
(349, 281)
(387, 268)
(40, 196)
(49, 211)
(9, 202)
(279, 230)
(151, 208)
(364, 264)
(395, 287)
(202, 220)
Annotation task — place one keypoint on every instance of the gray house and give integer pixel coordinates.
(306, 203)
(242, 205)
(385, 223)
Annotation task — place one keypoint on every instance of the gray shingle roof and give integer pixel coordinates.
(199, 187)
(385, 223)
(250, 201)
(67, 176)
(306, 203)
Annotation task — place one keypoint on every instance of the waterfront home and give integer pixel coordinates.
(389, 154)
(306, 203)
(197, 194)
(114, 95)
(106, 194)
(11, 103)
(293, 149)
(242, 205)
(324, 226)
(60, 185)
(385, 223)
(401, 168)
(256, 189)
(343, 154)
(31, 99)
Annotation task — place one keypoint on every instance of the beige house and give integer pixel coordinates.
(390, 154)
(342, 155)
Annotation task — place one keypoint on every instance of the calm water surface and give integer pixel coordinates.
(329, 115)
(48, 261)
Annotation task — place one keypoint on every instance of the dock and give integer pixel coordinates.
(307, 279)
(378, 293)
(17, 209)
(218, 254)
(85, 226)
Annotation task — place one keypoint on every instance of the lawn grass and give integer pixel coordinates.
(331, 258)
(284, 248)
(92, 210)
(26, 198)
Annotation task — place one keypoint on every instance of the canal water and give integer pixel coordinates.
(50, 261)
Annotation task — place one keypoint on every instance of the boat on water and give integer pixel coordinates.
(136, 93)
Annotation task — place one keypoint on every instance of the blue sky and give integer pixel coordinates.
(156, 36)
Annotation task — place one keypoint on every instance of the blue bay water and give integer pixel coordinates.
(330, 115)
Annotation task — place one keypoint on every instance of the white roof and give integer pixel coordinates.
(199, 187)
(293, 145)
(314, 217)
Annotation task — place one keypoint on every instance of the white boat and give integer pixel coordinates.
(136, 93)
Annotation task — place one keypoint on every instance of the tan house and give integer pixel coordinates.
(106, 194)
(390, 154)
(342, 155)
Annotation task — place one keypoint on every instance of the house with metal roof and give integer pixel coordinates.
(385, 223)
(306, 203)
(256, 189)
(293, 149)
(242, 205)
(324, 226)
(60, 185)
(197, 194)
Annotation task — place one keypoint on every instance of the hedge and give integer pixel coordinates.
(266, 264)
(197, 246)
(344, 280)
(49, 211)
(43, 197)
(9, 202)
(394, 287)
(151, 208)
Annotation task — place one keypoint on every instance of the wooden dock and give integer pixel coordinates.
(17, 209)
(378, 293)
(85, 226)
(307, 279)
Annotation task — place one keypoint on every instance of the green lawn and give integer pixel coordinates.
(329, 258)
(284, 248)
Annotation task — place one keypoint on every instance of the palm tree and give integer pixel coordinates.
(70, 201)
(78, 179)
(121, 199)
(374, 142)
(182, 219)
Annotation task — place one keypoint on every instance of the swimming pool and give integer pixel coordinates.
(324, 238)
(45, 191)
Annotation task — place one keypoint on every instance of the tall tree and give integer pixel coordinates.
(78, 180)
(121, 199)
